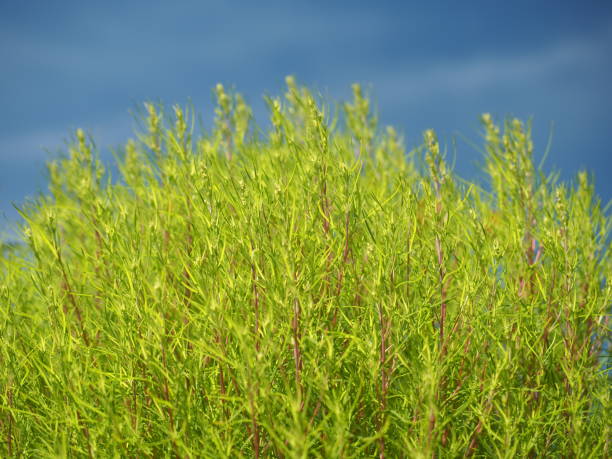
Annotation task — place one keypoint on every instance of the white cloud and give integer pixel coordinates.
(36, 145)
(452, 76)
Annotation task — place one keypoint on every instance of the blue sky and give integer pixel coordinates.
(429, 64)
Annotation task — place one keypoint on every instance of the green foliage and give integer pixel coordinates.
(306, 293)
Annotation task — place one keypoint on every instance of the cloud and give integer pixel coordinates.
(35, 146)
(452, 76)
(113, 48)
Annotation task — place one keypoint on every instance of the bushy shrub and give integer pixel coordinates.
(313, 290)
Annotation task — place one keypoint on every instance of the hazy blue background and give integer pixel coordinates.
(67, 64)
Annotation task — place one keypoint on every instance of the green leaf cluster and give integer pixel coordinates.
(310, 290)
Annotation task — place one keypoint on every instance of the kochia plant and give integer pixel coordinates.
(308, 291)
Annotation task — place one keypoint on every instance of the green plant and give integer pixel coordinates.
(309, 291)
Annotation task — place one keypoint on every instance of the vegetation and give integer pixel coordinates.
(311, 290)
